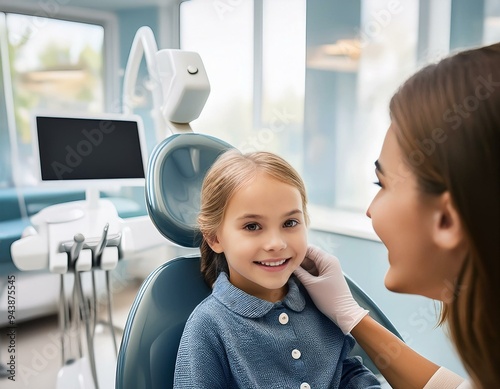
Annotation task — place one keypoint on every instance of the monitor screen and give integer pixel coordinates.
(89, 149)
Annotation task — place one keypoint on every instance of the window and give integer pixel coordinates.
(48, 64)
(312, 80)
(491, 31)
(254, 54)
(358, 53)
(224, 39)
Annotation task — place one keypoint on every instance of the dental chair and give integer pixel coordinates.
(167, 297)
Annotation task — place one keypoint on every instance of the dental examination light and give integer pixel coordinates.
(177, 80)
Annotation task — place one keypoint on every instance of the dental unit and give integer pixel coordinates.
(86, 237)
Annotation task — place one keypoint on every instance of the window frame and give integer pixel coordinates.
(109, 23)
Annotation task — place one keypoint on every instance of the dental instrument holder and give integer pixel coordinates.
(43, 246)
(76, 237)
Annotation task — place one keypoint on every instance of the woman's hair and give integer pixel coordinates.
(447, 122)
(230, 172)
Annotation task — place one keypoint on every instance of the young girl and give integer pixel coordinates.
(259, 328)
(437, 212)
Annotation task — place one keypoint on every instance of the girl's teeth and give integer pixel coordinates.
(273, 263)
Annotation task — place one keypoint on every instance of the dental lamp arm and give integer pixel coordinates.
(144, 44)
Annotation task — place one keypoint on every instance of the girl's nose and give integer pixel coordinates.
(275, 242)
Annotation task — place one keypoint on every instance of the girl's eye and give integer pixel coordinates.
(252, 227)
(378, 183)
(291, 223)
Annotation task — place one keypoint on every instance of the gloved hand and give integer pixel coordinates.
(322, 276)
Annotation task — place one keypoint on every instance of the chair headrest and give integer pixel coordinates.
(176, 170)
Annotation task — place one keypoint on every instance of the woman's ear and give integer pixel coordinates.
(214, 243)
(447, 227)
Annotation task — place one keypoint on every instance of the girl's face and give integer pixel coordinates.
(406, 221)
(263, 236)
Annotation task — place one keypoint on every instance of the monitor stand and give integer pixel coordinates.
(92, 197)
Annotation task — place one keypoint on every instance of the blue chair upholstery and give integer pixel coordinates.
(176, 169)
(155, 323)
(167, 297)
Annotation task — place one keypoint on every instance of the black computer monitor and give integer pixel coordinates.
(89, 151)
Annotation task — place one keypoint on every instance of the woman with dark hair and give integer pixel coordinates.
(438, 214)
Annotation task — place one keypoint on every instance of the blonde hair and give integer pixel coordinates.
(230, 172)
(447, 121)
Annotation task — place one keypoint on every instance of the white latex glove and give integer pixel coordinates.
(322, 276)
